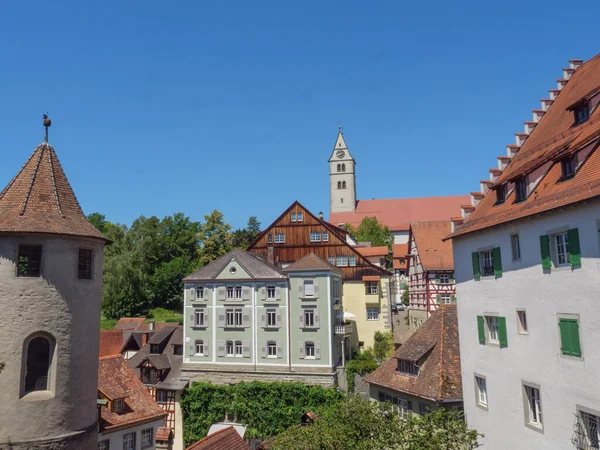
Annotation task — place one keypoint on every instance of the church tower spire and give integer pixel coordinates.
(342, 177)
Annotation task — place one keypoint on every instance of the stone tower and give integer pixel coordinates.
(51, 261)
(342, 177)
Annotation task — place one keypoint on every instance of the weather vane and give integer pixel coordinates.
(340, 127)
(47, 122)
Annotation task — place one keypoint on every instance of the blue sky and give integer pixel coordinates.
(191, 106)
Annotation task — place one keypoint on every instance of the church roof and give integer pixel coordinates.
(398, 213)
(39, 199)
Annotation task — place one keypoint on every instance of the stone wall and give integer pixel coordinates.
(223, 377)
(78, 441)
(361, 386)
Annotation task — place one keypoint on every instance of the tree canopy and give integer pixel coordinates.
(373, 231)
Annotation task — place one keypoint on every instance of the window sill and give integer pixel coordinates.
(310, 357)
(373, 320)
(303, 297)
(482, 406)
(523, 333)
(37, 396)
(198, 354)
(535, 427)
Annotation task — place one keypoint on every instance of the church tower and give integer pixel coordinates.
(342, 177)
(51, 262)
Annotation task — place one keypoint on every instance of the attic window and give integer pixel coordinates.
(521, 189)
(500, 195)
(408, 368)
(154, 348)
(582, 112)
(568, 167)
(118, 405)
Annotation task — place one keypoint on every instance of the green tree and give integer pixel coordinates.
(253, 226)
(98, 220)
(363, 363)
(384, 345)
(242, 238)
(405, 297)
(215, 237)
(373, 231)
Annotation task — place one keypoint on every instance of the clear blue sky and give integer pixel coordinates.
(159, 107)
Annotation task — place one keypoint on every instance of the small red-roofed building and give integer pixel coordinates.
(224, 439)
(111, 342)
(129, 418)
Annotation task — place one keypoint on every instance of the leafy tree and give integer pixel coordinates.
(98, 220)
(362, 364)
(384, 345)
(405, 297)
(373, 231)
(215, 237)
(242, 238)
(253, 226)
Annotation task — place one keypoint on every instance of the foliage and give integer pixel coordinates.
(405, 297)
(384, 345)
(242, 238)
(107, 324)
(361, 424)
(362, 364)
(215, 237)
(267, 408)
(164, 315)
(373, 231)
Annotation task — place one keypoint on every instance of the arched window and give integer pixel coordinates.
(38, 363)
(238, 348)
(343, 167)
(339, 184)
(272, 349)
(230, 348)
(339, 167)
(343, 185)
(200, 347)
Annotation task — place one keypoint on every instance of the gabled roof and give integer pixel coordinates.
(39, 199)
(440, 377)
(398, 213)
(311, 262)
(163, 434)
(111, 342)
(117, 380)
(129, 323)
(163, 334)
(381, 250)
(399, 254)
(255, 266)
(225, 439)
(160, 362)
(434, 253)
(553, 138)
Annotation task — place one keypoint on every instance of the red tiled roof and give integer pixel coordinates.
(311, 262)
(111, 342)
(129, 323)
(371, 278)
(434, 253)
(553, 137)
(373, 251)
(163, 434)
(435, 345)
(400, 251)
(117, 380)
(39, 199)
(225, 439)
(398, 213)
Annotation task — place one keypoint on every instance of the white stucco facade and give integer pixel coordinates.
(116, 437)
(567, 384)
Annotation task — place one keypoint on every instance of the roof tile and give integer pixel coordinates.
(434, 253)
(225, 439)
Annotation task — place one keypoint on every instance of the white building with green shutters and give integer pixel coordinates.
(248, 319)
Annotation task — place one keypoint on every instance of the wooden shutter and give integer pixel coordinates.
(245, 318)
(206, 347)
(497, 258)
(263, 318)
(220, 348)
(263, 293)
(192, 293)
(263, 348)
(221, 319)
(300, 288)
(502, 335)
(545, 249)
(301, 317)
(301, 349)
(565, 336)
(193, 317)
(317, 350)
(574, 250)
(192, 349)
(246, 293)
(246, 349)
(316, 287)
(317, 320)
(277, 293)
(476, 270)
(481, 329)
(221, 293)
(278, 318)
(205, 294)
(279, 349)
(575, 342)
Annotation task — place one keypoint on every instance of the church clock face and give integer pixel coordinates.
(340, 153)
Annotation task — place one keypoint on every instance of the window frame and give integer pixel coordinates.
(408, 368)
(559, 246)
(29, 250)
(131, 443)
(270, 238)
(591, 443)
(104, 444)
(373, 313)
(352, 261)
(481, 395)
(199, 313)
(487, 256)
(492, 328)
(341, 261)
(198, 347)
(315, 236)
(522, 327)
(372, 287)
(199, 292)
(568, 167)
(581, 112)
(279, 238)
(306, 292)
(271, 317)
(521, 189)
(229, 348)
(445, 299)
(325, 236)
(500, 195)
(300, 217)
(87, 272)
(271, 292)
(293, 217)
(46, 372)
(144, 434)
(160, 400)
(309, 345)
(238, 317)
(309, 318)
(533, 411)
(331, 260)
(444, 278)
(271, 349)
(117, 405)
(239, 348)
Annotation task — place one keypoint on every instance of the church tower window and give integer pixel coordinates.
(339, 184)
(343, 167)
(343, 185)
(339, 167)
(38, 361)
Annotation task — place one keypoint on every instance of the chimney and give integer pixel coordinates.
(321, 215)
(271, 254)
(151, 325)
(144, 338)
(575, 63)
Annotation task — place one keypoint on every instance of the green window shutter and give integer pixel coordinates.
(502, 336)
(545, 249)
(497, 257)
(481, 329)
(575, 342)
(475, 257)
(565, 336)
(574, 251)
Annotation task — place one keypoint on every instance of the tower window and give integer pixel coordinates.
(343, 185)
(29, 262)
(39, 358)
(339, 167)
(84, 264)
(343, 167)
(339, 184)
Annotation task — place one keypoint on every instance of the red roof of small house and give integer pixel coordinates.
(434, 253)
(129, 323)
(225, 439)
(555, 137)
(435, 347)
(399, 254)
(163, 434)
(117, 380)
(111, 342)
(398, 213)
(373, 251)
(39, 199)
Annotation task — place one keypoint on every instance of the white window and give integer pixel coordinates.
(271, 292)
(279, 238)
(238, 292)
(446, 299)
(309, 318)
(300, 217)
(272, 349)
(522, 322)
(315, 236)
(481, 391)
(492, 325)
(331, 260)
(238, 318)
(147, 438)
(352, 261)
(408, 367)
(118, 405)
(104, 445)
(161, 396)
(199, 314)
(325, 236)
(309, 288)
(129, 441)
(269, 238)
(444, 278)
(591, 430)
(199, 291)
(341, 261)
(562, 249)
(309, 350)
(293, 217)
(238, 348)
(229, 346)
(515, 246)
(200, 348)
(229, 318)
(487, 259)
(372, 287)
(533, 405)
(230, 292)
(271, 317)
(372, 313)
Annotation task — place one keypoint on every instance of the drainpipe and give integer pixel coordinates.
(289, 328)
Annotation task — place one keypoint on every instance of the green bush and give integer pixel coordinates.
(267, 408)
(363, 363)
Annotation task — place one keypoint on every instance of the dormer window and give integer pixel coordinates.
(154, 348)
(408, 368)
(117, 405)
(521, 189)
(149, 375)
(568, 167)
(582, 112)
(500, 195)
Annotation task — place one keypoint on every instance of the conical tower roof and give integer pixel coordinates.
(39, 199)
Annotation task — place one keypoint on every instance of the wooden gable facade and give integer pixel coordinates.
(288, 239)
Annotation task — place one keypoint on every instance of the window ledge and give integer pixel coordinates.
(308, 298)
(481, 406)
(534, 427)
(37, 396)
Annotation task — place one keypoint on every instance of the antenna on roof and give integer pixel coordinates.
(47, 122)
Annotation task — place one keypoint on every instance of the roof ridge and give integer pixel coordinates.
(54, 188)
(33, 177)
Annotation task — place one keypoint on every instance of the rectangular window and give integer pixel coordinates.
(516, 248)
(561, 241)
(481, 391)
(568, 167)
(372, 287)
(84, 264)
(492, 325)
(293, 217)
(522, 322)
(487, 259)
(352, 261)
(104, 445)
(229, 348)
(589, 434)
(229, 318)
(271, 317)
(200, 348)
(147, 438)
(309, 318)
(408, 367)
(238, 348)
(325, 236)
(230, 292)
(341, 261)
(500, 195)
(444, 279)
(149, 375)
(372, 313)
(238, 292)
(161, 396)
(309, 350)
(279, 238)
(582, 112)
(199, 291)
(570, 344)
(272, 349)
(315, 236)
(129, 441)
(521, 189)
(533, 405)
(238, 318)
(300, 217)
(199, 315)
(118, 405)
(269, 238)
(271, 292)
(309, 288)
(29, 262)
(446, 299)
(331, 260)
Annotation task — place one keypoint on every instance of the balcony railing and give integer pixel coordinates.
(343, 330)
